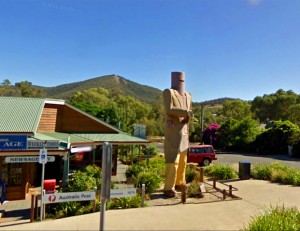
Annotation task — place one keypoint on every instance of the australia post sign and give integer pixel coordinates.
(69, 196)
(13, 142)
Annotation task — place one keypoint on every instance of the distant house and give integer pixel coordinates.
(71, 138)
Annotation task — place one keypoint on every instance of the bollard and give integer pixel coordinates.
(37, 198)
(230, 190)
(33, 197)
(143, 195)
(183, 193)
(95, 202)
(224, 194)
(201, 178)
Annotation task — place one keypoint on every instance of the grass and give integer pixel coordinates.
(276, 219)
(220, 171)
(277, 173)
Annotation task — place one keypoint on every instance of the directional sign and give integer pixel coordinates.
(26, 159)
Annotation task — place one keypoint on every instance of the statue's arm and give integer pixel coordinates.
(169, 108)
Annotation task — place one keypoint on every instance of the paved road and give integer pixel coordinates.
(235, 158)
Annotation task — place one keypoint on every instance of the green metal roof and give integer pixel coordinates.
(90, 137)
(63, 137)
(20, 114)
(118, 137)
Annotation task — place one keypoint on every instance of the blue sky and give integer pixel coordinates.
(227, 48)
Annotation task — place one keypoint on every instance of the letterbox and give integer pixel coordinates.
(49, 186)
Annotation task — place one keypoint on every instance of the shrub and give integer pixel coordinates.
(151, 180)
(220, 171)
(125, 202)
(191, 174)
(276, 172)
(297, 179)
(151, 175)
(133, 170)
(153, 151)
(194, 190)
(82, 180)
(276, 218)
(85, 180)
(261, 172)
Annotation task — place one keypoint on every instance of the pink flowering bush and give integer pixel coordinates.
(210, 135)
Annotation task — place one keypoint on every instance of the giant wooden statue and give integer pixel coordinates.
(178, 113)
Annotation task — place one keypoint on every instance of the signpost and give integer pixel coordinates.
(43, 161)
(106, 179)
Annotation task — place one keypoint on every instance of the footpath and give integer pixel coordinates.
(256, 196)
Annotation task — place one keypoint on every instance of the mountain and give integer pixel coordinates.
(126, 87)
(141, 92)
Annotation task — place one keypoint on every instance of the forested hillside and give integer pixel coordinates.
(109, 82)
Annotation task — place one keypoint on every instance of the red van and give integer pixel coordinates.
(201, 154)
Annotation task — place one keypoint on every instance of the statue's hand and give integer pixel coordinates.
(190, 114)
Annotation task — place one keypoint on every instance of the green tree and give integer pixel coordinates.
(274, 106)
(245, 133)
(238, 135)
(275, 139)
(227, 133)
(6, 89)
(294, 114)
(6, 83)
(27, 90)
(236, 109)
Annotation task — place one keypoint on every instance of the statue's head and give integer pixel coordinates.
(178, 82)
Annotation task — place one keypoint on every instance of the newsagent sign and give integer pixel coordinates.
(26, 159)
(70, 196)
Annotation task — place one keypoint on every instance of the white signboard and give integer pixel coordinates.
(75, 149)
(43, 156)
(26, 159)
(69, 196)
(128, 192)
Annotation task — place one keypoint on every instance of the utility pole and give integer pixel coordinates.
(201, 121)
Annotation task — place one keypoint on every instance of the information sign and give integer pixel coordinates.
(128, 192)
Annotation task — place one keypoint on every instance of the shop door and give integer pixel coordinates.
(14, 176)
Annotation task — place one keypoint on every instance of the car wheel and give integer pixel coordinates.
(205, 162)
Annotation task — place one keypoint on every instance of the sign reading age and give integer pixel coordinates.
(13, 142)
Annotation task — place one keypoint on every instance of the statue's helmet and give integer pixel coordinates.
(178, 82)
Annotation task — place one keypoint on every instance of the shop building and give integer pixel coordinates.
(72, 139)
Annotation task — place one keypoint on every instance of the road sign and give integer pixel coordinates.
(43, 156)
